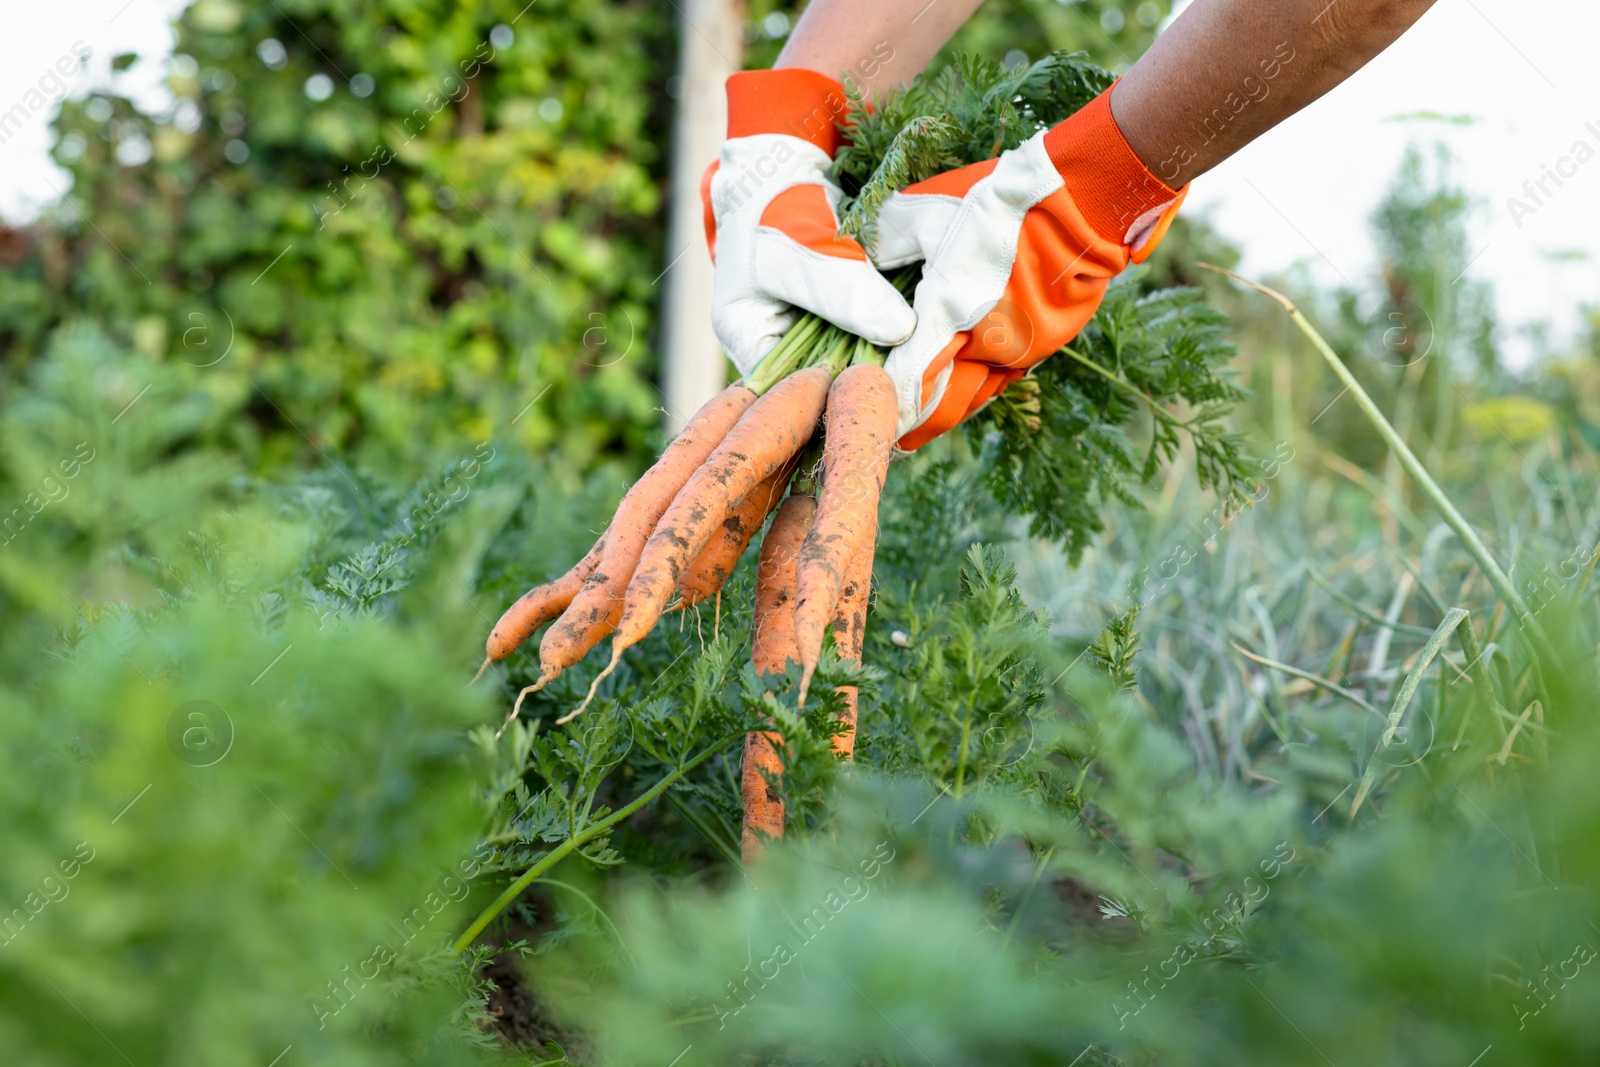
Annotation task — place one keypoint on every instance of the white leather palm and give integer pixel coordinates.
(762, 274)
(968, 245)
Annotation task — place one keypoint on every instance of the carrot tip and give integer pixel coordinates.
(486, 661)
(805, 685)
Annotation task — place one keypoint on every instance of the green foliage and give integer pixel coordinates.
(1063, 842)
(236, 818)
(466, 222)
(970, 111)
(1140, 357)
(1115, 650)
(1056, 447)
(1025, 862)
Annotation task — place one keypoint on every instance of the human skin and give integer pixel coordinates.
(1213, 81)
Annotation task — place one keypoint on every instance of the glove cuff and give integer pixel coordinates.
(1111, 186)
(795, 101)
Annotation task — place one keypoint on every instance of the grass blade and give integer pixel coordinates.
(1315, 679)
(1408, 689)
(1413, 466)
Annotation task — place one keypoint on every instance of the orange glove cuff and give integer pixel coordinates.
(794, 101)
(1108, 182)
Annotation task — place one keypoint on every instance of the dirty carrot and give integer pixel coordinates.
(772, 647)
(536, 607)
(709, 571)
(595, 608)
(774, 429)
(862, 414)
(849, 629)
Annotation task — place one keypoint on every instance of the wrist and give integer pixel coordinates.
(793, 100)
(1116, 192)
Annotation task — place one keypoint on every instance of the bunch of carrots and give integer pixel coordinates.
(683, 526)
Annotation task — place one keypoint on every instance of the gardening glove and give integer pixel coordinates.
(772, 223)
(1017, 254)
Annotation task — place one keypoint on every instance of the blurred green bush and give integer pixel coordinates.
(384, 227)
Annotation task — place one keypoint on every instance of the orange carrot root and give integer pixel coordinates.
(849, 631)
(538, 606)
(763, 800)
(709, 571)
(771, 650)
(862, 415)
(774, 429)
(594, 611)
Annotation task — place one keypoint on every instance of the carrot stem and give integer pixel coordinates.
(867, 352)
(561, 851)
(789, 355)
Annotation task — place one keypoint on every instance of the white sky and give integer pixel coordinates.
(1303, 192)
(1526, 71)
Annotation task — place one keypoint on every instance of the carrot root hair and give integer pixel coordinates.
(594, 687)
(545, 678)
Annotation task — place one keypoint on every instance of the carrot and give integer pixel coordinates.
(849, 629)
(772, 648)
(536, 607)
(862, 415)
(595, 608)
(711, 568)
(774, 429)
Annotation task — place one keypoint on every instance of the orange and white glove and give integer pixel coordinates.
(1017, 254)
(772, 223)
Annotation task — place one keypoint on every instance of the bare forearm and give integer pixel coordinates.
(872, 45)
(1226, 71)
